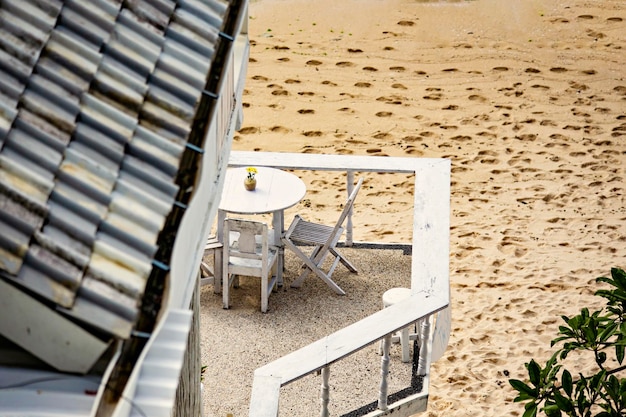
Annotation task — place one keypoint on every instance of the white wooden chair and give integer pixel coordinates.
(324, 239)
(213, 248)
(250, 255)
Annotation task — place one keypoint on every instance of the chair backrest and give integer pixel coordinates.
(349, 203)
(344, 213)
(247, 246)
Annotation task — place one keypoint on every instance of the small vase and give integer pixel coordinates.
(250, 184)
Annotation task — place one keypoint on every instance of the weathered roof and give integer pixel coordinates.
(98, 104)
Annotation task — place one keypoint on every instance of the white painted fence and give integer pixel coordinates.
(430, 289)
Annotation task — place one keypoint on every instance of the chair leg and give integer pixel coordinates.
(217, 267)
(343, 260)
(313, 267)
(225, 291)
(264, 293)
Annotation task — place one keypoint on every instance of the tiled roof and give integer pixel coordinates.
(98, 104)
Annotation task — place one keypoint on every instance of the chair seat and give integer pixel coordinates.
(252, 263)
(312, 233)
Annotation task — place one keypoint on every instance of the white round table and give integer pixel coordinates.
(276, 190)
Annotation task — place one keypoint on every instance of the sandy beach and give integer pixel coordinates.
(527, 98)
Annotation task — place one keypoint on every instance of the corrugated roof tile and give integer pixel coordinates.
(101, 97)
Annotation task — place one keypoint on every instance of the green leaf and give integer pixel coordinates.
(566, 382)
(531, 410)
(534, 373)
(619, 352)
(619, 275)
(552, 410)
(525, 391)
(607, 332)
(563, 403)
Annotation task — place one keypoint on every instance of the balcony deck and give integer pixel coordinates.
(237, 341)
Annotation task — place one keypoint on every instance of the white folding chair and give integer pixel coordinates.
(324, 240)
(250, 255)
(213, 248)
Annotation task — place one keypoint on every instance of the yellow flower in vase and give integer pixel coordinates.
(250, 181)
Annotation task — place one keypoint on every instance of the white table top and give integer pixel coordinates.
(275, 190)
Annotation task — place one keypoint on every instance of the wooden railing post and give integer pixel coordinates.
(350, 186)
(325, 397)
(423, 327)
(384, 373)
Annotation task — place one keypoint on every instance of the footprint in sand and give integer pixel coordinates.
(344, 64)
(532, 71)
(585, 17)
(397, 69)
(614, 19)
(389, 48)
(406, 23)
(249, 130)
(449, 70)
(280, 93)
(355, 51)
(371, 69)
(391, 99)
(500, 69)
(292, 81)
(346, 110)
(306, 93)
(478, 98)
(312, 133)
(283, 59)
(620, 89)
(280, 129)
(411, 138)
(434, 96)
(559, 20)
(330, 83)
(450, 107)
(595, 35)
(363, 85)
(419, 72)
(558, 69)
(260, 78)
(384, 114)
(281, 48)
(306, 111)
(399, 86)
(383, 136)
(314, 62)
(252, 60)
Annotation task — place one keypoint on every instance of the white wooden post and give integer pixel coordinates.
(325, 397)
(423, 328)
(384, 373)
(350, 182)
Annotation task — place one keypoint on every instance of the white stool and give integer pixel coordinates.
(390, 297)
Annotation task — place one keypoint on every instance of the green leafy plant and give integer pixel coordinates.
(554, 391)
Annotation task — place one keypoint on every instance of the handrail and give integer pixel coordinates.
(269, 378)
(430, 289)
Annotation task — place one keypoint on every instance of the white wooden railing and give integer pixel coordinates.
(430, 289)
